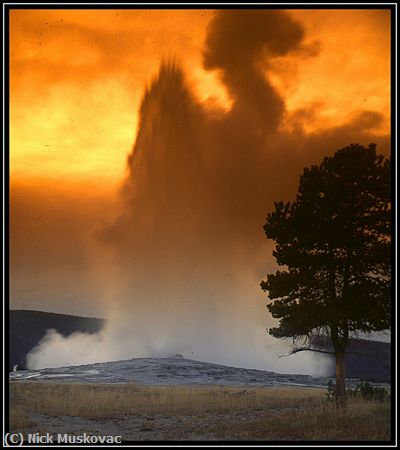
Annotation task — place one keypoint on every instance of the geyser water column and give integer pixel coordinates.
(186, 251)
(165, 234)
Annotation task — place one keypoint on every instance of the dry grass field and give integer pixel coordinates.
(194, 413)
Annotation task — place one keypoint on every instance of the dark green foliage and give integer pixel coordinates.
(330, 391)
(363, 390)
(334, 245)
(334, 242)
(367, 391)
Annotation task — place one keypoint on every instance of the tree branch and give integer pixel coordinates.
(303, 349)
(308, 349)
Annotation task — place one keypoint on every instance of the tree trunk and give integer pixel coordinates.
(340, 389)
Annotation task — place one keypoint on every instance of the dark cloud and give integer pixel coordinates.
(238, 37)
(237, 44)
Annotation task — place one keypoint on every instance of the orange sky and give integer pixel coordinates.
(77, 78)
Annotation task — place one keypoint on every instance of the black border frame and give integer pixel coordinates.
(7, 6)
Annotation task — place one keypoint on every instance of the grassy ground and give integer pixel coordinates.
(190, 413)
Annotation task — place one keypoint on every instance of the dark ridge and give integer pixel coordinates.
(367, 360)
(28, 327)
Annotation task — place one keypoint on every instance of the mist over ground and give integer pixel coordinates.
(178, 267)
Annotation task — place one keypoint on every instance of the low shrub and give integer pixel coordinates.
(364, 390)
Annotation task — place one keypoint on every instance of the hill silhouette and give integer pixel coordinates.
(28, 327)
